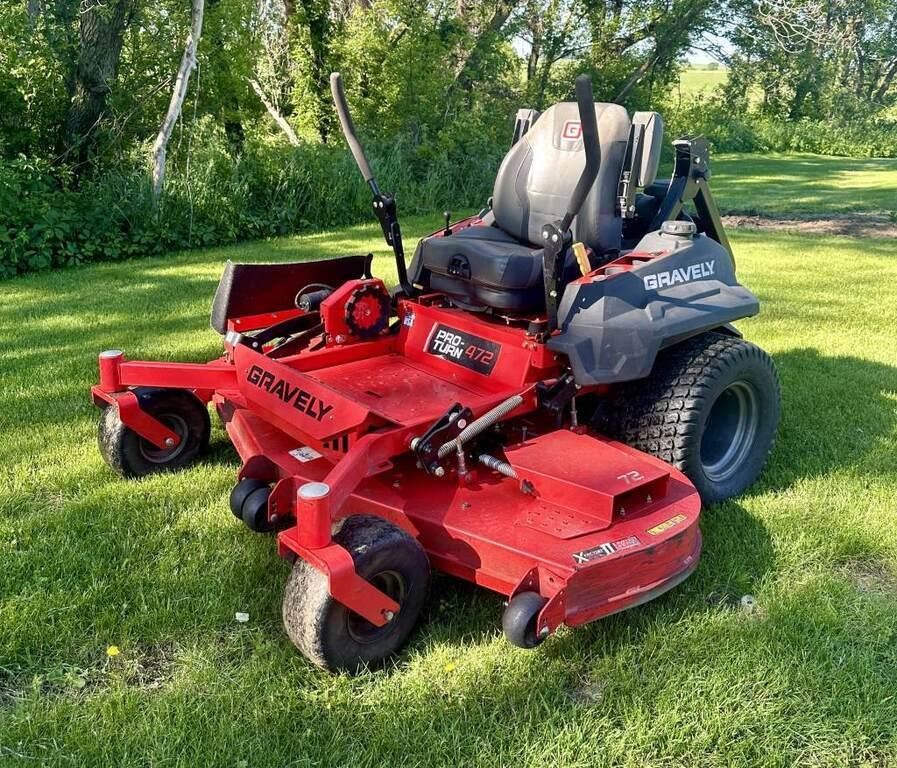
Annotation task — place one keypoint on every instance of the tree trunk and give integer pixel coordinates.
(469, 60)
(272, 110)
(316, 15)
(188, 64)
(886, 82)
(636, 77)
(33, 11)
(101, 34)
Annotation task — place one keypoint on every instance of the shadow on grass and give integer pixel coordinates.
(835, 412)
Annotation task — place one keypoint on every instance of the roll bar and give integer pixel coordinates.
(384, 203)
(556, 236)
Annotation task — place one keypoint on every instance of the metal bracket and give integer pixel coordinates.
(691, 174)
(385, 210)
(556, 239)
(631, 163)
(523, 121)
(446, 428)
(554, 398)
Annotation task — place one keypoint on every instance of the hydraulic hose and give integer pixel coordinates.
(480, 425)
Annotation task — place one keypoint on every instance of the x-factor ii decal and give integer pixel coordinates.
(603, 550)
(465, 349)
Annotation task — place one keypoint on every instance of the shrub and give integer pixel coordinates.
(47, 220)
(731, 127)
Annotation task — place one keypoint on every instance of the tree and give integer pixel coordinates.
(819, 59)
(101, 29)
(182, 81)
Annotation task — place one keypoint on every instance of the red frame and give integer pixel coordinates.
(614, 530)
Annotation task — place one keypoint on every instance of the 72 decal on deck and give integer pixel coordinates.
(465, 349)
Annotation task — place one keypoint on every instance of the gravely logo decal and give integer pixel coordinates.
(302, 401)
(680, 275)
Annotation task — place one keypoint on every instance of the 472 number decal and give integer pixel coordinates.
(465, 349)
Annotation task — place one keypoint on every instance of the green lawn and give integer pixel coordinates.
(695, 80)
(780, 184)
(158, 567)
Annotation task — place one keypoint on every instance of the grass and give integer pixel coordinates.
(787, 184)
(158, 567)
(695, 80)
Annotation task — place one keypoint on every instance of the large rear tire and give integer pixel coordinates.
(710, 407)
(336, 638)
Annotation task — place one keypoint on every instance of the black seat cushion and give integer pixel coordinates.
(482, 266)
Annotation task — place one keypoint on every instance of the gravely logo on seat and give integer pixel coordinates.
(680, 275)
(294, 395)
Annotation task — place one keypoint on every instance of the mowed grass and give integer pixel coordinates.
(803, 184)
(697, 80)
(158, 567)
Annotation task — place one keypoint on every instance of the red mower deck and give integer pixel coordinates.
(465, 423)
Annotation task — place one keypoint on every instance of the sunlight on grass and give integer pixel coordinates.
(804, 184)
(700, 80)
(158, 567)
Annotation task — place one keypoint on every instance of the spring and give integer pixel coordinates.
(480, 425)
(502, 467)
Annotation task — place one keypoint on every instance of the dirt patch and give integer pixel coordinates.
(848, 224)
(147, 669)
(152, 668)
(871, 577)
(588, 692)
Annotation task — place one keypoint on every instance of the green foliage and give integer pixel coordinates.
(47, 220)
(433, 87)
(731, 126)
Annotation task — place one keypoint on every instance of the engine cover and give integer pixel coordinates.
(614, 321)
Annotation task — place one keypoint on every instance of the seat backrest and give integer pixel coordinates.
(652, 143)
(537, 177)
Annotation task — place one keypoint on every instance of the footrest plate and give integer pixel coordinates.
(585, 482)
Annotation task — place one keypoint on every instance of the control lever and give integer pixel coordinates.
(384, 203)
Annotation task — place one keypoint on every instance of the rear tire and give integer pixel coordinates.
(336, 638)
(710, 407)
(132, 456)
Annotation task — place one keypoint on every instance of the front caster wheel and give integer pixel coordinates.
(132, 456)
(249, 503)
(334, 637)
(241, 492)
(520, 617)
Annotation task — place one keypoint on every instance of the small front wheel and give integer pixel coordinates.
(520, 618)
(331, 635)
(131, 455)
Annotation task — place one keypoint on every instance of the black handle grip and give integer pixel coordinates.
(589, 131)
(345, 120)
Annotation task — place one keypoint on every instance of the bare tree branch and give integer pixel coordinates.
(272, 110)
(188, 64)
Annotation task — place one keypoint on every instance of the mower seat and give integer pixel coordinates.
(483, 266)
(499, 266)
